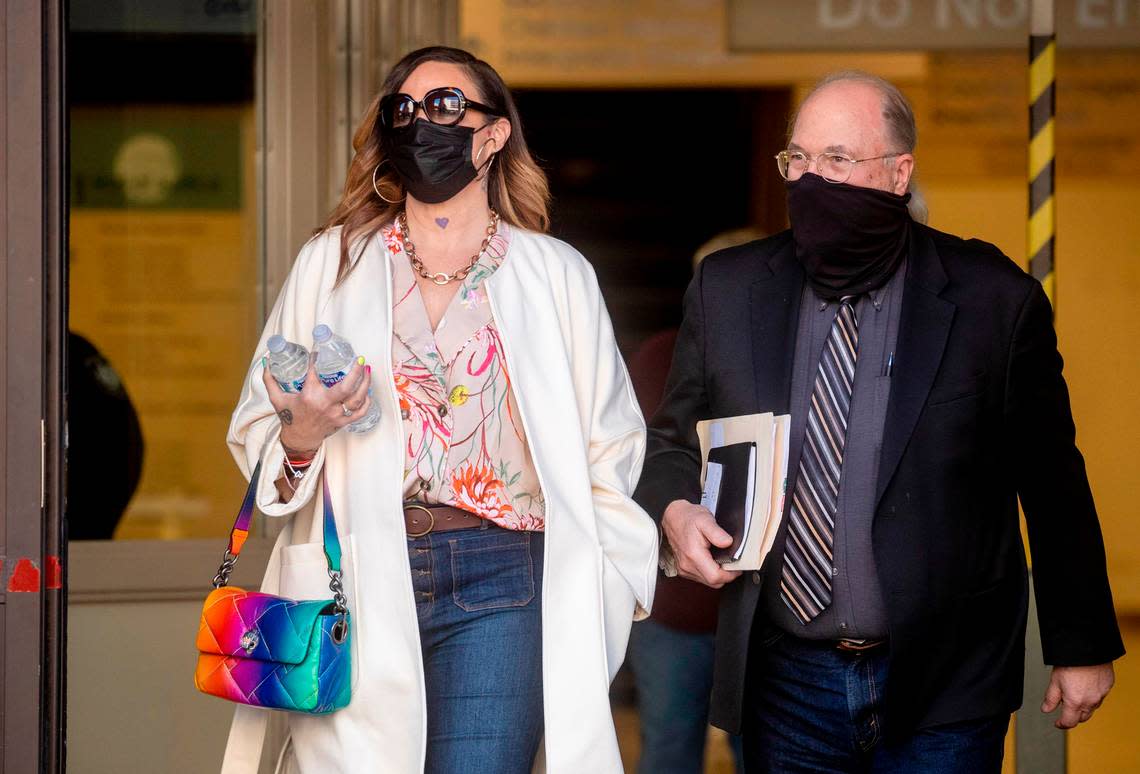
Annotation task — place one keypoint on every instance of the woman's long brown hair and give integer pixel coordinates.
(516, 186)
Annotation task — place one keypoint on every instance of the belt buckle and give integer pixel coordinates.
(431, 522)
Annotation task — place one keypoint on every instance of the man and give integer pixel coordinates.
(886, 630)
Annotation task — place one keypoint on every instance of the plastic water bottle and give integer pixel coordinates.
(334, 359)
(288, 362)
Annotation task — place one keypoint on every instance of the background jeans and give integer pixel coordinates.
(672, 671)
(812, 708)
(478, 598)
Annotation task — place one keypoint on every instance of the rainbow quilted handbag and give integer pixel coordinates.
(269, 651)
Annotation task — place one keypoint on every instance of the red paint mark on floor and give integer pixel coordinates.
(25, 578)
(53, 574)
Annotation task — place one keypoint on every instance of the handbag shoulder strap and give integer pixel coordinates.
(240, 530)
(332, 540)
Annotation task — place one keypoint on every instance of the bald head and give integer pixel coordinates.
(862, 117)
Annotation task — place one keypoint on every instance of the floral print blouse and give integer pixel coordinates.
(465, 444)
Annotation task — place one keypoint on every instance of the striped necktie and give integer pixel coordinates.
(805, 582)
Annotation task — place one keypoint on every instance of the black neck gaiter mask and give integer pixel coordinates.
(433, 162)
(849, 239)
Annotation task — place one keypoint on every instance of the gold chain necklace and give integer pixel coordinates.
(440, 278)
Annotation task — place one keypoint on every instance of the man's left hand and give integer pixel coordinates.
(1078, 690)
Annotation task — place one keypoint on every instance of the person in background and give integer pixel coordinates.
(671, 653)
(104, 442)
(494, 559)
(886, 630)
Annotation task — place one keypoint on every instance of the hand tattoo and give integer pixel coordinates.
(286, 416)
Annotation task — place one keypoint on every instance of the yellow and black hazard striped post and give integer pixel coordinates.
(1038, 748)
(1042, 106)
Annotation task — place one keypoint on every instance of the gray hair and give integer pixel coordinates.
(902, 132)
(917, 208)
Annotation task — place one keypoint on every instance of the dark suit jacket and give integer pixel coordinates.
(978, 416)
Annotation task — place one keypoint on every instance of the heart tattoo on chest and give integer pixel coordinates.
(442, 222)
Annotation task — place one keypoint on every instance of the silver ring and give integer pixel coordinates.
(347, 411)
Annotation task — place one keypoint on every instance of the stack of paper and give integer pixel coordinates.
(744, 477)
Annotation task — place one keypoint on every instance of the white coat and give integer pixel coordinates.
(587, 438)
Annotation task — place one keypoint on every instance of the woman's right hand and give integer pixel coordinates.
(312, 415)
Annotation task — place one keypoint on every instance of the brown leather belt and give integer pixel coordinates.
(422, 519)
(858, 646)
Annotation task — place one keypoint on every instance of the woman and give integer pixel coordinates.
(494, 611)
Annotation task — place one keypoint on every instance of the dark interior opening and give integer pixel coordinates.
(642, 178)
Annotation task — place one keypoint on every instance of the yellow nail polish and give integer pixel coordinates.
(360, 360)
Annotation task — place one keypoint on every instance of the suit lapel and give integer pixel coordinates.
(774, 308)
(924, 327)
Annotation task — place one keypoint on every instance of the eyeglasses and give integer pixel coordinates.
(832, 167)
(445, 106)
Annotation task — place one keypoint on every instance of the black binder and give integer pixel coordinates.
(733, 501)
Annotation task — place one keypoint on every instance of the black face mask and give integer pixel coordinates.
(849, 239)
(433, 161)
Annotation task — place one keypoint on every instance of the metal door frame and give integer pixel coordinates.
(33, 234)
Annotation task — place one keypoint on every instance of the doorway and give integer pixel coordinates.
(643, 178)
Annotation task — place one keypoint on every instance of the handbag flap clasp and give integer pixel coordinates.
(262, 627)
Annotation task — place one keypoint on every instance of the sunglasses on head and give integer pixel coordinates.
(445, 106)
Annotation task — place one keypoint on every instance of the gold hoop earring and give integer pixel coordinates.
(487, 173)
(487, 166)
(479, 155)
(376, 188)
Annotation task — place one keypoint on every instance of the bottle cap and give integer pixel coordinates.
(321, 333)
(277, 343)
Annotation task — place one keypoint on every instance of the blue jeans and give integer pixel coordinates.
(672, 670)
(478, 598)
(811, 708)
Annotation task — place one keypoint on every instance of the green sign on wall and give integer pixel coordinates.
(165, 158)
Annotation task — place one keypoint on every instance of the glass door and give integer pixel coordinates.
(166, 303)
(164, 264)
